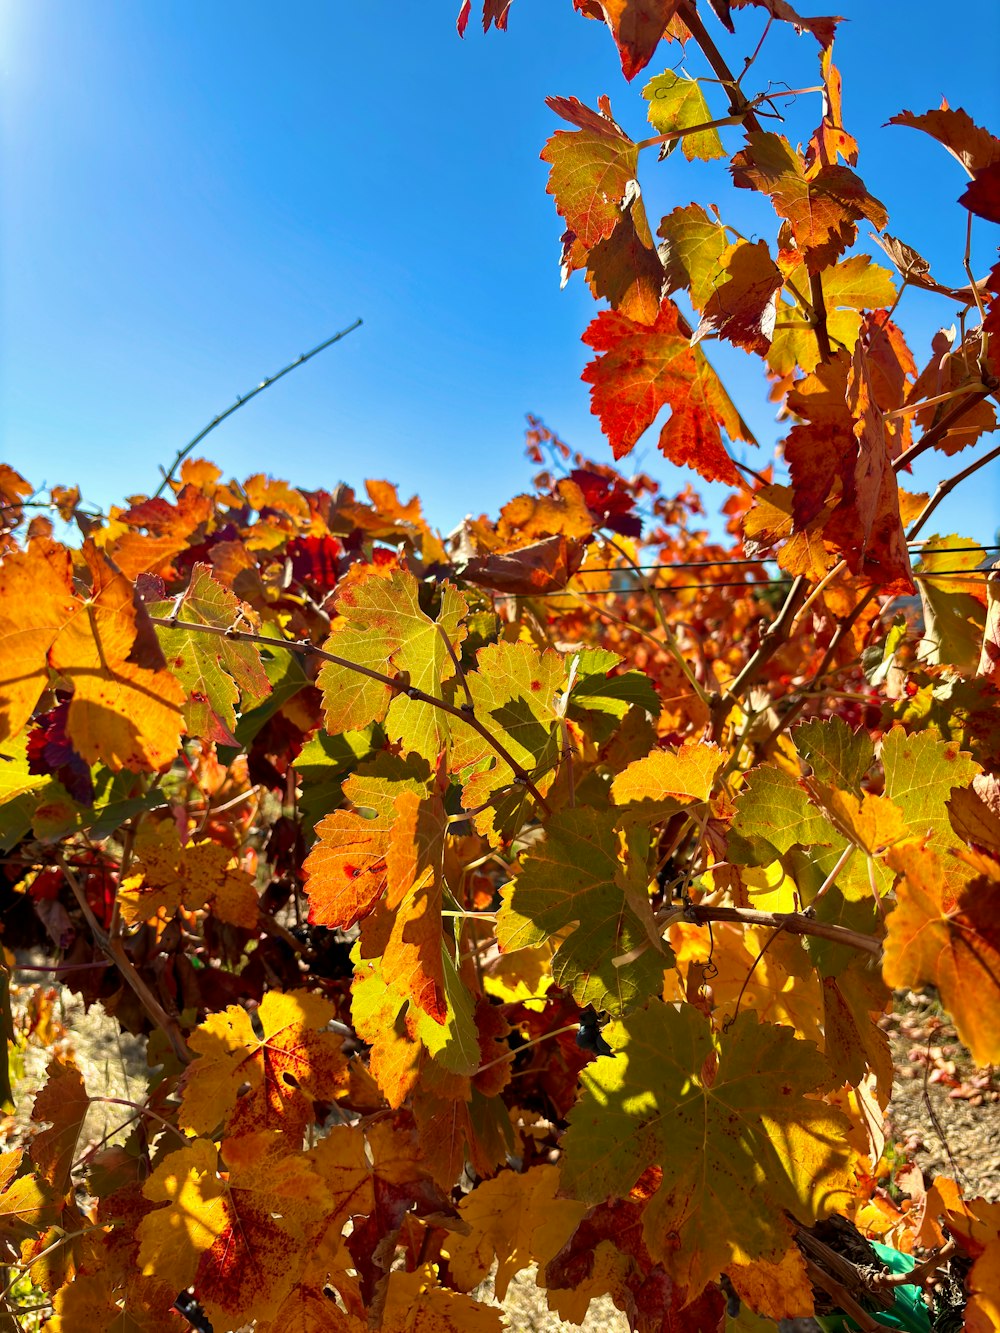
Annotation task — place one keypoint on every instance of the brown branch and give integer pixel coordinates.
(770, 641)
(739, 105)
(115, 950)
(842, 1298)
(397, 683)
(945, 487)
(796, 923)
(937, 432)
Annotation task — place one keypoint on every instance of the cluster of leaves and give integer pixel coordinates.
(528, 896)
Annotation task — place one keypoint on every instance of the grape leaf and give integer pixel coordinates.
(416, 1301)
(217, 672)
(381, 626)
(954, 610)
(742, 309)
(692, 250)
(974, 147)
(667, 780)
(678, 103)
(823, 207)
(921, 772)
(346, 869)
(729, 1121)
(774, 813)
(945, 931)
(823, 29)
(636, 26)
(293, 1063)
(122, 713)
(63, 1103)
(640, 369)
(241, 1239)
(596, 690)
(166, 875)
(575, 876)
(592, 167)
(515, 691)
(837, 755)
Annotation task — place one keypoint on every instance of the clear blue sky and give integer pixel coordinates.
(195, 193)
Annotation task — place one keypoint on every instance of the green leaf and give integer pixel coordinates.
(324, 762)
(692, 250)
(677, 103)
(18, 791)
(57, 815)
(921, 772)
(382, 626)
(728, 1120)
(216, 672)
(596, 690)
(837, 755)
(954, 610)
(516, 693)
(773, 814)
(575, 881)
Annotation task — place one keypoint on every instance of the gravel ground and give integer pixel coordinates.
(930, 1065)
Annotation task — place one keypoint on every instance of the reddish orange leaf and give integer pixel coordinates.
(973, 146)
(641, 369)
(742, 308)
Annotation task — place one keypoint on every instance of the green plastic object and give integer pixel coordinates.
(908, 1312)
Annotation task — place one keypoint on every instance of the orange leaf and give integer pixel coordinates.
(949, 937)
(64, 1103)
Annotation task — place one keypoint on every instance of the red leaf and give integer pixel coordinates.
(643, 368)
(982, 195)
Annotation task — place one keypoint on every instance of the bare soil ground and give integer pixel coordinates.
(959, 1136)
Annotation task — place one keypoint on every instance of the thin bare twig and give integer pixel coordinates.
(242, 401)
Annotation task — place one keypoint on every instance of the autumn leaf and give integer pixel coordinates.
(239, 1239)
(944, 932)
(122, 713)
(667, 780)
(22, 1198)
(591, 170)
(823, 208)
(742, 308)
(636, 26)
(624, 268)
(729, 1121)
(678, 103)
(576, 876)
(63, 1103)
(293, 1063)
(513, 1220)
(167, 875)
(921, 772)
(218, 673)
(773, 814)
(982, 195)
(692, 250)
(973, 146)
(416, 1301)
(346, 869)
(640, 369)
(514, 692)
(954, 607)
(822, 29)
(838, 755)
(381, 626)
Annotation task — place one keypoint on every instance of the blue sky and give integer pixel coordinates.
(194, 194)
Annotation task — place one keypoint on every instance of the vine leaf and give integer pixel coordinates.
(641, 368)
(773, 814)
(416, 1300)
(823, 29)
(945, 931)
(514, 690)
(346, 869)
(838, 756)
(823, 207)
(64, 1103)
(576, 875)
(167, 875)
(666, 781)
(592, 167)
(744, 307)
(289, 1066)
(240, 1238)
(126, 708)
(514, 1220)
(217, 673)
(692, 250)
(972, 145)
(921, 772)
(677, 103)
(381, 626)
(636, 26)
(729, 1122)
